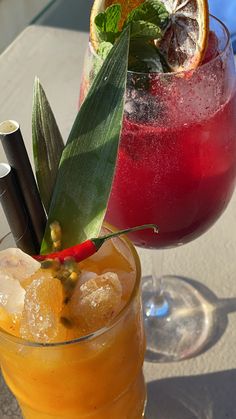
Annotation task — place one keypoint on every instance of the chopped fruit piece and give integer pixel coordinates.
(185, 39)
(11, 294)
(17, 264)
(97, 301)
(41, 314)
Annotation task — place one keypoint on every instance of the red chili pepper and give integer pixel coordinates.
(83, 250)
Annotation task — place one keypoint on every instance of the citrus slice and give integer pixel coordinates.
(185, 39)
(98, 7)
(101, 5)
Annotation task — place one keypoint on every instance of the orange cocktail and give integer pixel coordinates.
(79, 372)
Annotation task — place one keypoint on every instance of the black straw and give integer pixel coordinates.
(14, 208)
(18, 159)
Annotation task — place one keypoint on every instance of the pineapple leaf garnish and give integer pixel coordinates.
(87, 166)
(47, 144)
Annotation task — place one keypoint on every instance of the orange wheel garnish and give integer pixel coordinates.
(185, 40)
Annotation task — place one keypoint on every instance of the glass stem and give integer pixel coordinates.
(158, 305)
(157, 270)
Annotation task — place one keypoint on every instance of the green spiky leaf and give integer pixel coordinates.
(88, 161)
(47, 144)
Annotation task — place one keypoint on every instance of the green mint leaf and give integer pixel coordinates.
(104, 49)
(152, 11)
(107, 23)
(146, 22)
(144, 30)
(144, 57)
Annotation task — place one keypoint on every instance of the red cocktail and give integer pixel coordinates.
(177, 159)
(176, 167)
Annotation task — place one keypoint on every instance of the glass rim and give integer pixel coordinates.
(99, 332)
(179, 73)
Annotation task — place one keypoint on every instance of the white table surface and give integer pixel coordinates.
(199, 388)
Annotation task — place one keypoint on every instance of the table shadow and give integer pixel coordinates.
(210, 396)
(219, 309)
(9, 408)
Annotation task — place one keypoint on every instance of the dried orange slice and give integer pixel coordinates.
(185, 39)
(98, 7)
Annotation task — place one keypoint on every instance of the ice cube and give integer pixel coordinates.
(42, 308)
(142, 107)
(17, 264)
(12, 294)
(127, 280)
(86, 276)
(98, 301)
(198, 96)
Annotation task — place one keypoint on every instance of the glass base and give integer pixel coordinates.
(178, 322)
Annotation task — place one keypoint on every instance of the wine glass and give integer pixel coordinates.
(176, 168)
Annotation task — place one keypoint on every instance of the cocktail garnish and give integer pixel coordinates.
(147, 22)
(68, 273)
(83, 250)
(47, 144)
(56, 235)
(185, 39)
(177, 30)
(85, 174)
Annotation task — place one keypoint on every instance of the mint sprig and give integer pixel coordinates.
(144, 57)
(107, 23)
(147, 23)
(145, 30)
(151, 11)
